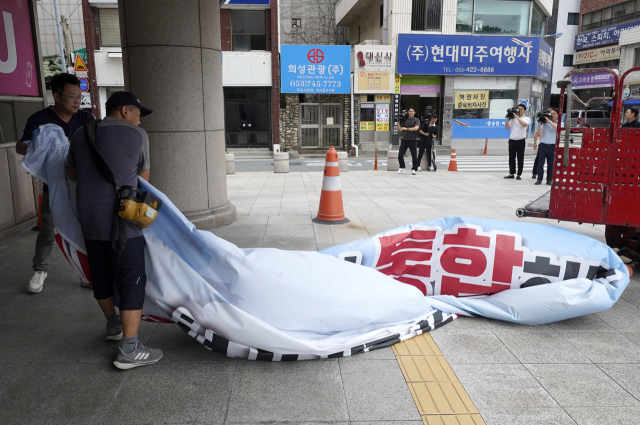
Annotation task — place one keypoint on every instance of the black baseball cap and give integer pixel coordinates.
(124, 98)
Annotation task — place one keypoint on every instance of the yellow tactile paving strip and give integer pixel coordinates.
(438, 394)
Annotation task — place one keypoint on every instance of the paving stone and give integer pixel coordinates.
(179, 393)
(178, 346)
(590, 322)
(300, 230)
(482, 347)
(527, 415)
(502, 386)
(604, 346)
(56, 394)
(581, 385)
(623, 316)
(604, 415)
(533, 345)
(245, 241)
(288, 391)
(290, 242)
(377, 391)
(626, 375)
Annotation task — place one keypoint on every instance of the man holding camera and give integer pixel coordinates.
(547, 135)
(409, 132)
(428, 133)
(124, 148)
(517, 124)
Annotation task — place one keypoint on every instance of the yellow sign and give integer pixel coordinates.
(382, 126)
(383, 97)
(396, 88)
(367, 126)
(80, 66)
(472, 99)
(373, 80)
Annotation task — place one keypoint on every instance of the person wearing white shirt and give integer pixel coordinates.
(517, 124)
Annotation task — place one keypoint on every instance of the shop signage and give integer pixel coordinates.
(18, 75)
(367, 126)
(479, 129)
(435, 54)
(592, 81)
(597, 55)
(472, 99)
(315, 69)
(631, 90)
(397, 85)
(382, 117)
(601, 37)
(374, 69)
(414, 84)
(383, 98)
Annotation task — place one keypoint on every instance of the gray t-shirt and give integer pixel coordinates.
(410, 123)
(125, 149)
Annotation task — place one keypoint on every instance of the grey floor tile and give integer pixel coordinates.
(56, 394)
(179, 393)
(381, 354)
(626, 375)
(178, 346)
(377, 391)
(604, 346)
(245, 241)
(289, 242)
(288, 391)
(632, 336)
(236, 230)
(300, 230)
(582, 323)
(531, 345)
(581, 385)
(604, 415)
(526, 415)
(632, 293)
(623, 316)
(473, 346)
(501, 386)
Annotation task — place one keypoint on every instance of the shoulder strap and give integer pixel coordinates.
(91, 128)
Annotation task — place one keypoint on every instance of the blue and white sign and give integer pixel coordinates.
(601, 37)
(434, 54)
(479, 129)
(84, 84)
(315, 69)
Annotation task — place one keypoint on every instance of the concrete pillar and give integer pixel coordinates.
(281, 162)
(392, 160)
(343, 162)
(173, 64)
(231, 165)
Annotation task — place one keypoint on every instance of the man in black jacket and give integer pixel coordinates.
(409, 136)
(631, 115)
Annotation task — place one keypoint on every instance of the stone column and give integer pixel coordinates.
(173, 64)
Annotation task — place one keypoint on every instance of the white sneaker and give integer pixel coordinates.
(413, 172)
(37, 282)
(400, 170)
(419, 168)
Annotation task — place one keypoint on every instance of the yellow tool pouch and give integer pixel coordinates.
(138, 207)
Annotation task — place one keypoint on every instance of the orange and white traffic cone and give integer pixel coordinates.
(331, 208)
(453, 164)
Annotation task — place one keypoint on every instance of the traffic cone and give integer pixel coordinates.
(331, 208)
(453, 164)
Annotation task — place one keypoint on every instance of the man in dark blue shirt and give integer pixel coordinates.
(66, 114)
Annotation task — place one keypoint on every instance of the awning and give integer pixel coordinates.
(630, 102)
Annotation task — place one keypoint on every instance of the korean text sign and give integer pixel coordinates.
(436, 54)
(374, 69)
(472, 99)
(601, 37)
(315, 69)
(18, 74)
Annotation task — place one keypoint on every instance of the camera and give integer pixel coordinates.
(542, 115)
(404, 115)
(511, 113)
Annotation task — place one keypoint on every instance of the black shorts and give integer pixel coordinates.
(125, 271)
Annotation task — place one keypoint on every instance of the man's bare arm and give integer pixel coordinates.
(144, 174)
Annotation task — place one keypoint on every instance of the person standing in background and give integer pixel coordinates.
(517, 124)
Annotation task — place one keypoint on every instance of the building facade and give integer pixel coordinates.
(442, 66)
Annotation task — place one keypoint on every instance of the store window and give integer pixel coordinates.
(636, 57)
(248, 30)
(573, 19)
(612, 15)
(538, 21)
(464, 16)
(247, 116)
(426, 15)
(496, 107)
(568, 60)
(109, 28)
(504, 17)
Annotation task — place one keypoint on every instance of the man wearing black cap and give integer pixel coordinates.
(124, 147)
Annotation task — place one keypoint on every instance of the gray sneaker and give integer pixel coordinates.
(114, 333)
(141, 356)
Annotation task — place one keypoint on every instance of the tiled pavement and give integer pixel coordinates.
(55, 366)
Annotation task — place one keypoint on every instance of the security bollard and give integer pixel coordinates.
(392, 161)
(231, 165)
(343, 162)
(281, 162)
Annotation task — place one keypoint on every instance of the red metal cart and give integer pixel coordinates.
(599, 182)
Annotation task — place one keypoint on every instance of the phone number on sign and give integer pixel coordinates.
(470, 69)
(300, 83)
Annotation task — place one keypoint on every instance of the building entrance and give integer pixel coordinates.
(247, 115)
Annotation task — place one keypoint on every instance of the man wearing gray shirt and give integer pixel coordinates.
(124, 147)
(547, 135)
